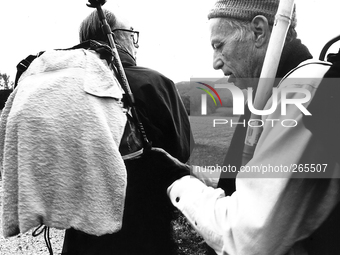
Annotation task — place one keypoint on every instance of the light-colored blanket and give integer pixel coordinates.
(59, 137)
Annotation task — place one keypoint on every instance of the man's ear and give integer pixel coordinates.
(261, 30)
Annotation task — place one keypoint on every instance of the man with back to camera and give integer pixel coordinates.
(148, 213)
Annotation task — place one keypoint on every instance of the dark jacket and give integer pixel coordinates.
(148, 212)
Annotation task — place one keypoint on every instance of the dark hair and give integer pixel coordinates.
(91, 27)
(291, 34)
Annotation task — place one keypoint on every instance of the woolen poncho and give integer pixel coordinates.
(59, 137)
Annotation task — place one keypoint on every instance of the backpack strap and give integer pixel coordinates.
(308, 62)
(23, 65)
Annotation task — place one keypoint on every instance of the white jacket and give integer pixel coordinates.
(277, 202)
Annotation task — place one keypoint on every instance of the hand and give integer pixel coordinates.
(166, 167)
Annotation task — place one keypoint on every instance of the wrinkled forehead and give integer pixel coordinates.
(215, 25)
(219, 27)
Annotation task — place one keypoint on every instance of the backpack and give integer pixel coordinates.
(325, 124)
(131, 145)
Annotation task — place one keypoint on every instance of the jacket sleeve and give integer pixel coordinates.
(209, 177)
(164, 117)
(264, 216)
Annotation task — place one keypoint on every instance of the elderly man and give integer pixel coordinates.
(148, 213)
(240, 32)
(284, 212)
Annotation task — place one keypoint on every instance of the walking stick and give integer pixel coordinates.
(268, 73)
(118, 64)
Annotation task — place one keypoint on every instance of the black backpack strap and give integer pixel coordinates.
(23, 65)
(104, 51)
(326, 48)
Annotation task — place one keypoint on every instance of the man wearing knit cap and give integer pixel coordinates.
(253, 21)
(276, 207)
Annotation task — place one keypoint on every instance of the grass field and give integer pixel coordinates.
(211, 145)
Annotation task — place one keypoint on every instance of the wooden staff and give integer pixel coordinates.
(268, 74)
(120, 69)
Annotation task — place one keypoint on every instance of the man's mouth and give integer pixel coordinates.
(231, 78)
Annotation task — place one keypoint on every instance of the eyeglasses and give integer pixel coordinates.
(135, 35)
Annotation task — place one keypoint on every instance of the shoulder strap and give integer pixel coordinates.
(308, 62)
(23, 65)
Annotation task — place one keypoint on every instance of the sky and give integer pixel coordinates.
(174, 35)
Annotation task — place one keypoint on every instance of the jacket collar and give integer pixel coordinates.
(125, 57)
(292, 55)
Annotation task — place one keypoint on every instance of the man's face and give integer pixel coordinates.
(239, 60)
(126, 38)
(128, 41)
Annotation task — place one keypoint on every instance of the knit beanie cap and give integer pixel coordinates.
(246, 10)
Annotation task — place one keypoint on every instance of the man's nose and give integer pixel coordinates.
(217, 61)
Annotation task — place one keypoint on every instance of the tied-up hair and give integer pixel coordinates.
(91, 27)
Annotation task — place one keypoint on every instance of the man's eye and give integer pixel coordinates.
(216, 45)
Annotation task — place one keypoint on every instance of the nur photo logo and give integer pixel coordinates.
(204, 97)
(281, 100)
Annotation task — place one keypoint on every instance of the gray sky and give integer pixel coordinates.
(174, 37)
